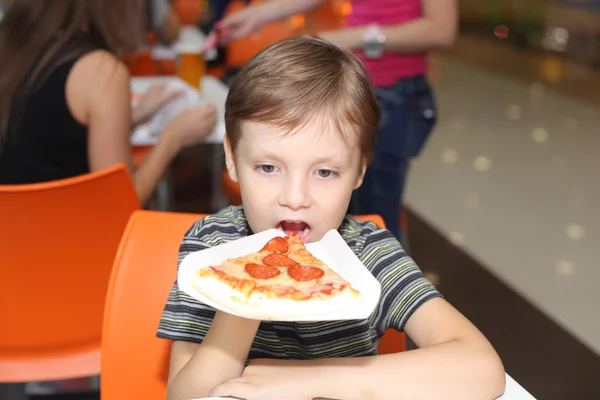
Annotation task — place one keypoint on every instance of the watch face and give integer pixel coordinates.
(373, 49)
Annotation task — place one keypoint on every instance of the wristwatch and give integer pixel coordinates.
(373, 42)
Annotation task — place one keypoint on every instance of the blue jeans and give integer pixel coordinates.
(408, 117)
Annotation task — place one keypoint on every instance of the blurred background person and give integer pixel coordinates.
(163, 20)
(65, 102)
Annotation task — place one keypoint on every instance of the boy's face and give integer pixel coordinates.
(297, 182)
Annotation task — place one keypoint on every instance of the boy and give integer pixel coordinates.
(301, 121)
(393, 37)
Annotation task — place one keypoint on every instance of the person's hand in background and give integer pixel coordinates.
(191, 126)
(341, 38)
(241, 24)
(152, 101)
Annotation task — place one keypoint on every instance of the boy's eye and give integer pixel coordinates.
(267, 169)
(325, 173)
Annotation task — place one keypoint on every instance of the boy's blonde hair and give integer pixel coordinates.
(295, 81)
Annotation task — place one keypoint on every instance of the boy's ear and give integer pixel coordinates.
(361, 176)
(229, 160)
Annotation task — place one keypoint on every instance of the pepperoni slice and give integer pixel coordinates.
(279, 260)
(259, 271)
(277, 245)
(304, 273)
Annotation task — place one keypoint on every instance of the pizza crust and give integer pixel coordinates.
(258, 306)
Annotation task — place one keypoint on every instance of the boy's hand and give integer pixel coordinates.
(270, 380)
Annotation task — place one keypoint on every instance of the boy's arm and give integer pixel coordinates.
(195, 369)
(454, 360)
(436, 28)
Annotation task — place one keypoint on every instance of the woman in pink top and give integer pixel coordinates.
(393, 38)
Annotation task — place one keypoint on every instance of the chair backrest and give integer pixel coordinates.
(58, 241)
(134, 360)
(392, 341)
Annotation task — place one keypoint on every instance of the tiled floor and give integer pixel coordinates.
(516, 166)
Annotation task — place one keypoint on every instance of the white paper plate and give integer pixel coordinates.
(332, 250)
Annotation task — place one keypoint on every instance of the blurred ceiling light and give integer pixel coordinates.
(513, 112)
(449, 156)
(575, 232)
(297, 21)
(540, 135)
(456, 238)
(482, 164)
(552, 69)
(433, 278)
(565, 268)
(501, 31)
(556, 38)
(347, 8)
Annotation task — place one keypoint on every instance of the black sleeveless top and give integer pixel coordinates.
(49, 144)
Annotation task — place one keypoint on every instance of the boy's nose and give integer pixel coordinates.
(295, 194)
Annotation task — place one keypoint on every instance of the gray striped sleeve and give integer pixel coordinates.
(403, 287)
(185, 318)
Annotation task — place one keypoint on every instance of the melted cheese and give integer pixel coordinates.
(329, 285)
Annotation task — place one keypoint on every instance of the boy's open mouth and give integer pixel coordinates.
(299, 227)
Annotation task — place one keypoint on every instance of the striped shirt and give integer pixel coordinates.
(404, 289)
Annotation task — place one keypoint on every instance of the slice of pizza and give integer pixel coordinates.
(283, 280)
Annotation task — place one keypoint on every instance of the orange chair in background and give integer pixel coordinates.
(134, 360)
(392, 341)
(140, 63)
(58, 241)
(189, 11)
(330, 15)
(239, 52)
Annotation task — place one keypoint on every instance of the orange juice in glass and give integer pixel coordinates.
(191, 65)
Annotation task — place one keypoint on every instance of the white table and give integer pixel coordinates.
(513, 391)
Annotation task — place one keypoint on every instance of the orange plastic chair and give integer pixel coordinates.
(58, 242)
(392, 341)
(134, 360)
(141, 63)
(329, 16)
(231, 190)
(139, 154)
(189, 11)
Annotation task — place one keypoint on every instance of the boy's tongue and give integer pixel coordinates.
(290, 227)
